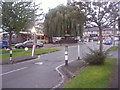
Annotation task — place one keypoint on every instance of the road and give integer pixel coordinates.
(40, 72)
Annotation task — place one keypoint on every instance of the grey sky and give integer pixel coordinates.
(46, 4)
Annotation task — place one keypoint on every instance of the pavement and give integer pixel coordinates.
(116, 78)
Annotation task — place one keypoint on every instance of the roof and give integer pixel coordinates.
(97, 29)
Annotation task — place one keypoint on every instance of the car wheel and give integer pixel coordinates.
(4, 47)
(37, 46)
(21, 47)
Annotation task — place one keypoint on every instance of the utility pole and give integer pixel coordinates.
(34, 33)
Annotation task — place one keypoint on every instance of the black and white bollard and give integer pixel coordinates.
(66, 55)
(10, 54)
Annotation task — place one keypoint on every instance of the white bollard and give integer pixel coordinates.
(33, 50)
(66, 55)
(10, 54)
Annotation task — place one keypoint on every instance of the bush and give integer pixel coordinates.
(95, 57)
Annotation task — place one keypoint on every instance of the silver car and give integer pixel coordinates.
(28, 44)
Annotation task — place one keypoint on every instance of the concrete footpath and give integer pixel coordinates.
(115, 80)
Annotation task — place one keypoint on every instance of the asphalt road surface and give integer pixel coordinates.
(40, 72)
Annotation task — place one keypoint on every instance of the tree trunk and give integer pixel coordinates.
(10, 39)
(100, 35)
(50, 40)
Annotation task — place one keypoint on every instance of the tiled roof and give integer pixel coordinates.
(97, 29)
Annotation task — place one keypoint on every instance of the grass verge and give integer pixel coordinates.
(94, 76)
(21, 54)
(114, 48)
(16, 50)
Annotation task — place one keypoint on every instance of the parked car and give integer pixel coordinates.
(28, 44)
(116, 38)
(4, 44)
(108, 41)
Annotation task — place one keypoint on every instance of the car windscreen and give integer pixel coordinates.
(27, 42)
(107, 39)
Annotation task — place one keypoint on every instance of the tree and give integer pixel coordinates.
(0, 13)
(100, 14)
(17, 16)
(63, 20)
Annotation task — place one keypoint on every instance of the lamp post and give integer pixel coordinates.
(34, 33)
(34, 45)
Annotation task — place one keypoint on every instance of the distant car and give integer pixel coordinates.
(108, 41)
(116, 38)
(28, 44)
(4, 44)
(86, 40)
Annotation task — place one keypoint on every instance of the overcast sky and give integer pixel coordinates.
(46, 4)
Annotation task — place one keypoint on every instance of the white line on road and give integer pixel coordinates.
(13, 71)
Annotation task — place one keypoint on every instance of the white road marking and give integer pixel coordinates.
(13, 71)
(39, 63)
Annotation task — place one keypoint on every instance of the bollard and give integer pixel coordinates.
(78, 50)
(10, 54)
(66, 55)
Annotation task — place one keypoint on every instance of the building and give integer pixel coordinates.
(94, 31)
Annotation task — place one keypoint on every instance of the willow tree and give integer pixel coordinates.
(62, 20)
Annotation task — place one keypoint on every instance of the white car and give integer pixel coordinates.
(116, 38)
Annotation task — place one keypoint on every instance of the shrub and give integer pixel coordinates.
(95, 57)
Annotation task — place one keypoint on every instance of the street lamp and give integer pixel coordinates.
(34, 45)
(34, 32)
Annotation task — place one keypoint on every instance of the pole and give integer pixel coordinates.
(34, 14)
(78, 42)
(66, 55)
(34, 46)
(10, 54)
(114, 34)
(78, 50)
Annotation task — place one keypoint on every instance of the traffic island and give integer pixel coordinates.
(73, 68)
(93, 76)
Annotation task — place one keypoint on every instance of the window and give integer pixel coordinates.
(3, 42)
(108, 32)
(42, 37)
(38, 37)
